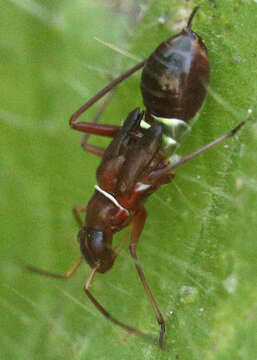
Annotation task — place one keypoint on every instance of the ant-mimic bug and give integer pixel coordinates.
(140, 157)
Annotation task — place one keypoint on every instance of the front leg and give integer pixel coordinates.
(137, 228)
(65, 276)
(76, 211)
(107, 315)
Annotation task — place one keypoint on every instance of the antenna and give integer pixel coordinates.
(189, 23)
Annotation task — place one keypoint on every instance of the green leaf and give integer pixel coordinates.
(198, 248)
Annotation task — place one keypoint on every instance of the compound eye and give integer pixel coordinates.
(96, 242)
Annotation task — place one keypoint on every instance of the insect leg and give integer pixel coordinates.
(96, 129)
(67, 275)
(92, 149)
(159, 173)
(78, 209)
(89, 127)
(107, 315)
(97, 117)
(138, 225)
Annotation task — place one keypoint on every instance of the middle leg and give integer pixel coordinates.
(96, 118)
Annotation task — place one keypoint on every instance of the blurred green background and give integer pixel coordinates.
(198, 248)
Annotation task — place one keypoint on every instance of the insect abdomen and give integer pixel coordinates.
(175, 77)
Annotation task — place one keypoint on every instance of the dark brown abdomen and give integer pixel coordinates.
(175, 77)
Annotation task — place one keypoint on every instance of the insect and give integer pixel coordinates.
(140, 157)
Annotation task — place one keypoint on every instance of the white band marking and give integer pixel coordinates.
(112, 198)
